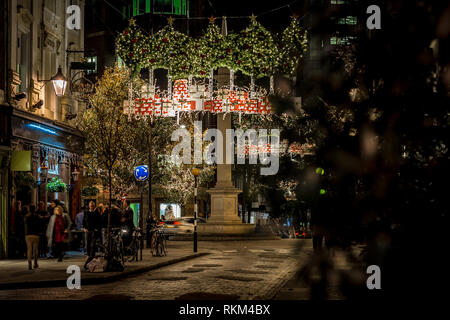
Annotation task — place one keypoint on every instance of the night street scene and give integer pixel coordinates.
(229, 154)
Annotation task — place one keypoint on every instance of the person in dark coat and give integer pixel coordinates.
(52, 207)
(151, 224)
(116, 217)
(19, 228)
(44, 216)
(33, 229)
(92, 225)
(127, 222)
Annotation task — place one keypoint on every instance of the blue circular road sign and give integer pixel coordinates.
(141, 173)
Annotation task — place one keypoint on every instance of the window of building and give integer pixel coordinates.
(23, 60)
(352, 20)
(120, 62)
(138, 7)
(163, 6)
(92, 59)
(342, 40)
(338, 1)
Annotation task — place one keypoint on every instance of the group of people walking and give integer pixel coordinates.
(45, 231)
(94, 223)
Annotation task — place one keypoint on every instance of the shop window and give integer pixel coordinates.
(136, 207)
(166, 209)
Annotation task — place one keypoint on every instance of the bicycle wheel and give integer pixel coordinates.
(141, 245)
(164, 245)
(154, 245)
(160, 247)
(132, 251)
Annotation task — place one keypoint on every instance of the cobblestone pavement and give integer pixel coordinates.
(234, 269)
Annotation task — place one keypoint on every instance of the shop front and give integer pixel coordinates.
(5, 154)
(45, 162)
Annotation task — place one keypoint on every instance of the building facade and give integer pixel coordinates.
(36, 125)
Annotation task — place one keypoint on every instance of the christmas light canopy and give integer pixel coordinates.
(254, 51)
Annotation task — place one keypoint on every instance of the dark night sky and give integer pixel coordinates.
(276, 20)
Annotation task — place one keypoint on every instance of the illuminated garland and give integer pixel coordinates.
(215, 50)
(294, 43)
(258, 53)
(253, 51)
(133, 47)
(171, 50)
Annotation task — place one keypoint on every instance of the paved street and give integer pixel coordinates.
(232, 270)
(14, 273)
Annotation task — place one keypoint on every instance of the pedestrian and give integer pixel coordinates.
(79, 226)
(92, 224)
(127, 222)
(52, 207)
(19, 228)
(32, 234)
(57, 232)
(151, 224)
(79, 219)
(104, 214)
(116, 217)
(44, 217)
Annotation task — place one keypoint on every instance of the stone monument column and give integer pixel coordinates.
(224, 217)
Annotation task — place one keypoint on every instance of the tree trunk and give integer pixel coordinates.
(110, 202)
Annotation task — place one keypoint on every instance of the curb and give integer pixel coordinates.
(100, 280)
(223, 238)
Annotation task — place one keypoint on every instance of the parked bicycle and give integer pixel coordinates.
(113, 246)
(134, 249)
(159, 242)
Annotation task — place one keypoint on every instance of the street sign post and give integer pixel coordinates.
(141, 173)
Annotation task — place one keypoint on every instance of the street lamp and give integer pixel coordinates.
(42, 179)
(59, 83)
(75, 175)
(44, 171)
(195, 173)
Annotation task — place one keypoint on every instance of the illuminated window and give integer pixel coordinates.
(175, 7)
(120, 62)
(348, 20)
(338, 2)
(342, 40)
(92, 60)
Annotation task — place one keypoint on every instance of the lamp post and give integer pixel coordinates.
(59, 83)
(44, 172)
(75, 178)
(195, 173)
(75, 175)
